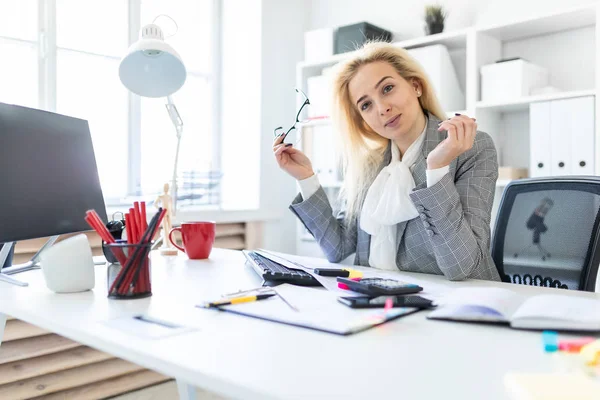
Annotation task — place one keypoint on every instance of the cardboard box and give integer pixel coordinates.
(512, 173)
(511, 80)
(350, 37)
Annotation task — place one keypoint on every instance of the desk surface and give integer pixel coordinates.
(252, 359)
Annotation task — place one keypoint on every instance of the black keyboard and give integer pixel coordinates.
(269, 270)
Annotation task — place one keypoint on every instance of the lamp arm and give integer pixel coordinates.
(178, 124)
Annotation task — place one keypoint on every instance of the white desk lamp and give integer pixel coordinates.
(152, 68)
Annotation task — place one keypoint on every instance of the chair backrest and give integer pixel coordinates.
(547, 232)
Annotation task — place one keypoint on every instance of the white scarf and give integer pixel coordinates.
(387, 203)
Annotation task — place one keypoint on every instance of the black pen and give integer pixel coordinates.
(344, 273)
(155, 321)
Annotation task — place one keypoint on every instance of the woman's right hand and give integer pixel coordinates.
(291, 160)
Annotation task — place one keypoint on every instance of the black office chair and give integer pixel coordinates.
(547, 232)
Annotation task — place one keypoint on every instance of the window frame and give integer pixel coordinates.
(47, 90)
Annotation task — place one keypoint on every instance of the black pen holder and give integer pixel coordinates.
(128, 270)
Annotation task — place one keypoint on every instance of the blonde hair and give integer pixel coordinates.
(361, 148)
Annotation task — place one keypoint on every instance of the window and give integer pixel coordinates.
(87, 83)
(194, 43)
(68, 63)
(19, 44)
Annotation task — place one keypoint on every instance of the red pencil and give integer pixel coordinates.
(127, 280)
(144, 220)
(145, 276)
(138, 218)
(128, 228)
(134, 229)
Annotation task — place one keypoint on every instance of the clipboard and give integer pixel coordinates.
(317, 309)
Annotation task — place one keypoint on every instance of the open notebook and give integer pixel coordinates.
(551, 311)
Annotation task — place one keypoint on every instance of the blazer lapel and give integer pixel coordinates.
(419, 173)
(432, 139)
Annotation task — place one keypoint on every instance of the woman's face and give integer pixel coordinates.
(388, 103)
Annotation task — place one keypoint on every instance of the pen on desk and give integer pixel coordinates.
(238, 300)
(285, 301)
(344, 273)
(240, 293)
(155, 321)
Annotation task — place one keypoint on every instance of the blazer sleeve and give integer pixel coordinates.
(457, 212)
(336, 239)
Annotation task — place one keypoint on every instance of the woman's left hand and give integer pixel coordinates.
(461, 135)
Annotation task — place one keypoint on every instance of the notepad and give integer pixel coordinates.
(147, 327)
(316, 309)
(551, 311)
(530, 386)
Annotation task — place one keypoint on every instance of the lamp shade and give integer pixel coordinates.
(151, 67)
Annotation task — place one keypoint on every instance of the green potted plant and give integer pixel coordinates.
(435, 16)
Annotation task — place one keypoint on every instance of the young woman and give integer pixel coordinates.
(418, 188)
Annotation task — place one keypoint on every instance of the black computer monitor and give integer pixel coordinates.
(48, 174)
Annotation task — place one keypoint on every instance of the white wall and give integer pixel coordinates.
(283, 26)
(578, 44)
(405, 17)
(240, 107)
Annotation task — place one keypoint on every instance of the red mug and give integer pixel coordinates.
(198, 239)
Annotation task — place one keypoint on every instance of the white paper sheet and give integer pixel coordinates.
(328, 282)
(148, 327)
(317, 309)
(431, 291)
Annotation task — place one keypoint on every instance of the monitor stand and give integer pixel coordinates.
(34, 263)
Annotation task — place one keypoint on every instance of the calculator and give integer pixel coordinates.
(380, 286)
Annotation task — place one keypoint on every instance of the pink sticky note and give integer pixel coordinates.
(389, 303)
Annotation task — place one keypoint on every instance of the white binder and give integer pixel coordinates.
(320, 96)
(561, 120)
(323, 157)
(437, 63)
(582, 135)
(539, 139)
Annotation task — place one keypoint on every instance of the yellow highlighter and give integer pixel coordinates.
(238, 300)
(591, 353)
(354, 273)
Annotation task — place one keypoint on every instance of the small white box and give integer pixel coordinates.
(318, 44)
(511, 80)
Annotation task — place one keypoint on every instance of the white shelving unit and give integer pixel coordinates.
(501, 183)
(566, 43)
(523, 103)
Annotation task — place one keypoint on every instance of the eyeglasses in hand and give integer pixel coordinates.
(280, 128)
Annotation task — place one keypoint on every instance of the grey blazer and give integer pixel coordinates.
(451, 236)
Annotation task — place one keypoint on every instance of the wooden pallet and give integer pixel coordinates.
(38, 364)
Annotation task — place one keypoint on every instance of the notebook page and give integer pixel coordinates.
(558, 312)
(478, 303)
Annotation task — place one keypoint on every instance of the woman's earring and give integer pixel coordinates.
(418, 93)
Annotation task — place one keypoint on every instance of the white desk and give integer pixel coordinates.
(247, 358)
